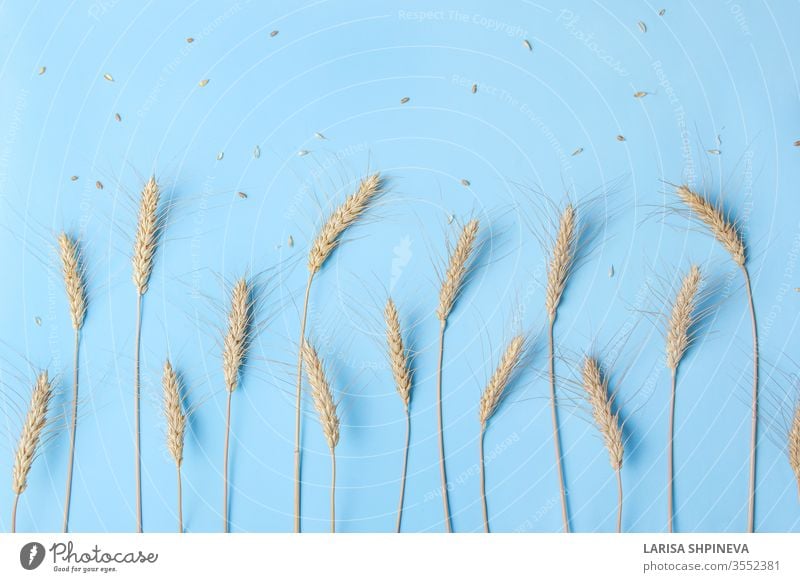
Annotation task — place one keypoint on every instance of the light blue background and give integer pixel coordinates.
(711, 69)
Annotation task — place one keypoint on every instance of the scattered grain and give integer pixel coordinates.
(405, 100)
(190, 39)
(527, 44)
(714, 152)
(466, 183)
(220, 155)
(257, 152)
(98, 185)
(474, 88)
(274, 33)
(42, 70)
(290, 241)
(117, 117)
(303, 153)
(108, 77)
(620, 138)
(241, 195)
(642, 26)
(74, 178)
(577, 152)
(203, 82)
(640, 94)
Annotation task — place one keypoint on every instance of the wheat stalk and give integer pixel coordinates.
(794, 446)
(730, 237)
(234, 352)
(401, 371)
(562, 259)
(73, 273)
(176, 426)
(30, 438)
(681, 321)
(490, 400)
(607, 421)
(145, 243)
(326, 408)
(457, 268)
(327, 239)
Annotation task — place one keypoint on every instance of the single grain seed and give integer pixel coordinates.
(318, 135)
(714, 152)
(620, 138)
(302, 153)
(526, 43)
(117, 117)
(108, 77)
(640, 94)
(466, 183)
(190, 40)
(290, 241)
(38, 321)
(98, 185)
(662, 12)
(42, 70)
(450, 218)
(797, 143)
(257, 152)
(474, 88)
(642, 26)
(203, 83)
(577, 152)
(241, 195)
(404, 100)
(611, 271)
(220, 155)
(74, 178)
(273, 33)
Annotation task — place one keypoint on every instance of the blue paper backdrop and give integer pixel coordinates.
(717, 75)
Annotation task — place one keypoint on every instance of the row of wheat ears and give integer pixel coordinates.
(150, 224)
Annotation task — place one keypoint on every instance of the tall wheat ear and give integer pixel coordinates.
(458, 265)
(30, 438)
(729, 235)
(72, 270)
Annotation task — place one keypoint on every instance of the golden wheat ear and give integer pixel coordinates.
(398, 354)
(712, 215)
(148, 228)
(683, 317)
(562, 259)
(495, 388)
(72, 271)
(235, 343)
(794, 446)
(457, 269)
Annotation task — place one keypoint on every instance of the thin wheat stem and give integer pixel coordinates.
(225, 524)
(754, 420)
(298, 403)
(670, 455)
(73, 430)
(404, 471)
(180, 499)
(136, 418)
(333, 490)
(481, 463)
(556, 432)
(14, 514)
(619, 497)
(442, 471)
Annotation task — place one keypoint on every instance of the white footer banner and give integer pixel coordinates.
(387, 557)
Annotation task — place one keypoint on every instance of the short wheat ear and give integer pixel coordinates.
(73, 273)
(794, 446)
(176, 427)
(730, 237)
(457, 268)
(401, 371)
(562, 260)
(145, 243)
(30, 439)
(682, 319)
(234, 353)
(327, 239)
(322, 395)
(490, 400)
(596, 386)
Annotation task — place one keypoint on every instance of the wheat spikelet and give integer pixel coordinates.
(723, 229)
(607, 421)
(29, 439)
(398, 357)
(73, 279)
(457, 269)
(561, 260)
(794, 444)
(173, 411)
(234, 347)
(146, 240)
(683, 317)
(322, 395)
(493, 392)
(343, 217)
